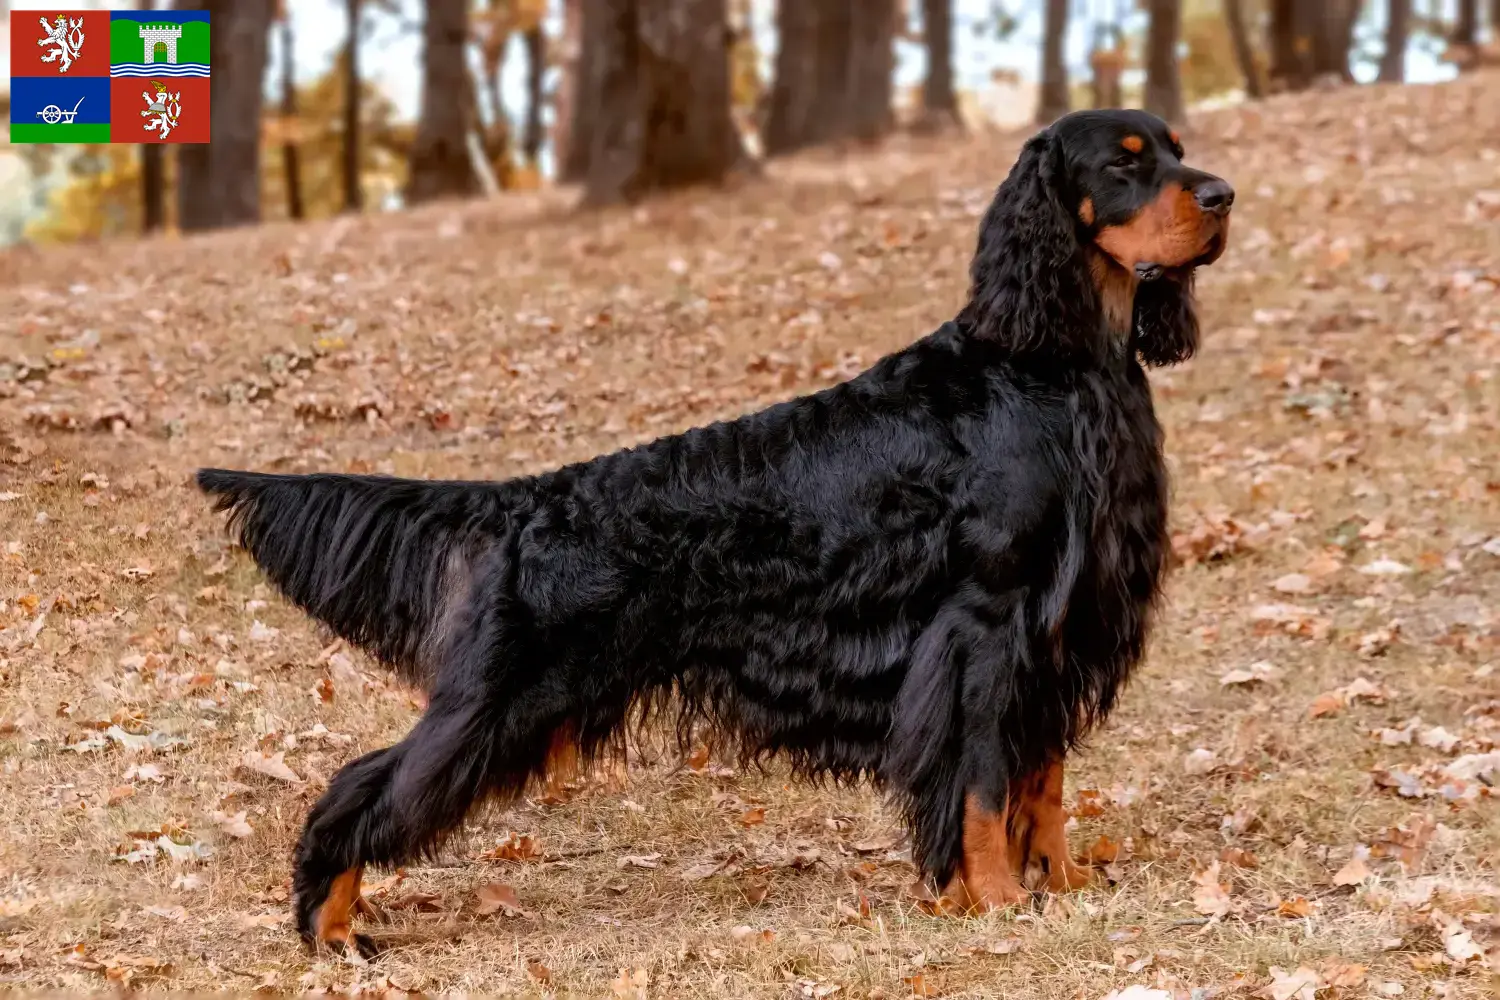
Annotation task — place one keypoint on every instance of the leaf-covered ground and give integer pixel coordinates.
(1293, 801)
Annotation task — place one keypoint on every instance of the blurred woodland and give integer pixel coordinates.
(627, 97)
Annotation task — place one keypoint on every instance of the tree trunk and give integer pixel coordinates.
(831, 72)
(1288, 68)
(577, 105)
(1466, 27)
(834, 70)
(218, 183)
(153, 176)
(440, 164)
(1163, 80)
(291, 164)
(354, 198)
(493, 50)
(536, 70)
(789, 122)
(1107, 62)
(1397, 31)
(939, 99)
(1052, 97)
(485, 147)
(1330, 30)
(1244, 52)
(872, 67)
(662, 98)
(153, 187)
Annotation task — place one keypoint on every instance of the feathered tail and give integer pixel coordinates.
(386, 563)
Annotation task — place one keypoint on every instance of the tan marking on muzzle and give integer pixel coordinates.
(1171, 231)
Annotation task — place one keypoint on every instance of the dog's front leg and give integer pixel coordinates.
(986, 879)
(1037, 831)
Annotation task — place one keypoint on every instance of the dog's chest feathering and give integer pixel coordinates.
(1118, 443)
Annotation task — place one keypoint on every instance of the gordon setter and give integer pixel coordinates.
(936, 575)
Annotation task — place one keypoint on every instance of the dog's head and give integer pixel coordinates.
(1094, 237)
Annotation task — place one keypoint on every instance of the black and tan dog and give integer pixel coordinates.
(936, 575)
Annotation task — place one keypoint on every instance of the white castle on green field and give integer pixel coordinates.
(167, 34)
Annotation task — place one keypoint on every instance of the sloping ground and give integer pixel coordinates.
(1293, 787)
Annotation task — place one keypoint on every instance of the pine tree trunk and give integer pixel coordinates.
(536, 70)
(1244, 52)
(663, 99)
(1163, 80)
(291, 164)
(1052, 98)
(354, 198)
(939, 100)
(871, 72)
(218, 183)
(1397, 31)
(1288, 69)
(440, 164)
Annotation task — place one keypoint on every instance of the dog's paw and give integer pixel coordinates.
(350, 944)
(325, 911)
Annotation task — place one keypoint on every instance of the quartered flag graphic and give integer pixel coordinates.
(122, 76)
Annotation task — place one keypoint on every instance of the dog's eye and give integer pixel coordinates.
(1123, 162)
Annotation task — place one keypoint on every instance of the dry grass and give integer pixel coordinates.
(1346, 409)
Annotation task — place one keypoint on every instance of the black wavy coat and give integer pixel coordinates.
(937, 574)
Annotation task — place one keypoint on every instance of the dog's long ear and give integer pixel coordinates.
(1166, 320)
(1031, 289)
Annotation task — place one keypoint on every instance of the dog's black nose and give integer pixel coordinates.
(1214, 196)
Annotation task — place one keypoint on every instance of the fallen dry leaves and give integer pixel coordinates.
(270, 766)
(1210, 895)
(1354, 872)
(514, 847)
(497, 897)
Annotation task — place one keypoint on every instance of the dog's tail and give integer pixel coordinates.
(386, 563)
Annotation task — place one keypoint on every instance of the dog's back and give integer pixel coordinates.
(765, 536)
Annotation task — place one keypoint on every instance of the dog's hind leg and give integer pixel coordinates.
(325, 880)
(386, 808)
(485, 730)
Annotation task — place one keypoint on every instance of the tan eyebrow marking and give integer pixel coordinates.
(1176, 139)
(1133, 143)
